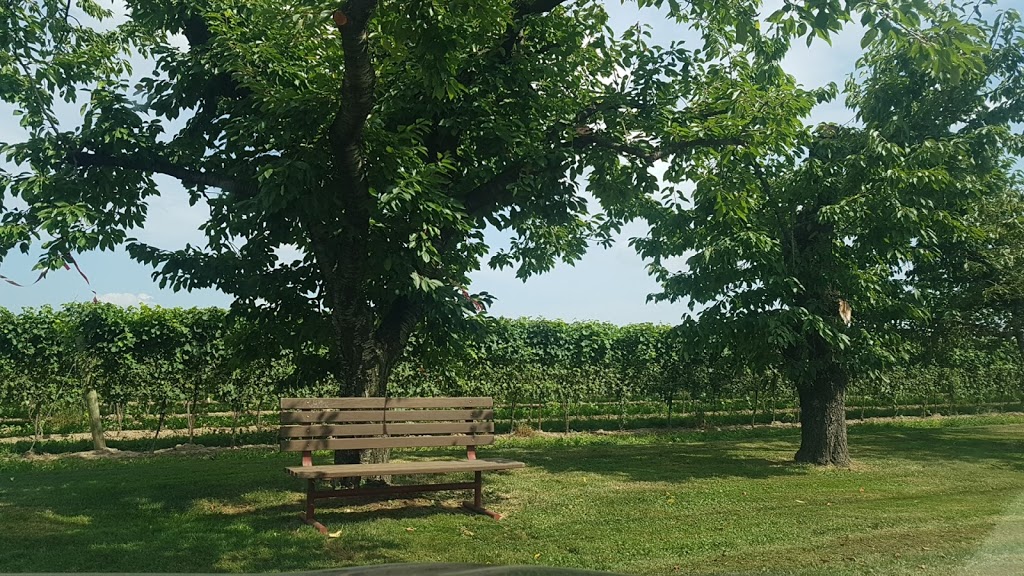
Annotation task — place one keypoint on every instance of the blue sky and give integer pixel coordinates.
(607, 284)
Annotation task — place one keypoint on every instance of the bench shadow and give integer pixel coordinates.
(663, 462)
(338, 515)
(238, 516)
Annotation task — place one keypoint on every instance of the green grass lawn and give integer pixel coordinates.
(930, 497)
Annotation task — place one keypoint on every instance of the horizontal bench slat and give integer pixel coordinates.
(381, 403)
(376, 429)
(343, 416)
(394, 442)
(399, 468)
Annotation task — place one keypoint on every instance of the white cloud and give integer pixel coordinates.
(125, 298)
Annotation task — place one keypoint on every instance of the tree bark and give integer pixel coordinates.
(823, 418)
(367, 372)
(753, 416)
(95, 420)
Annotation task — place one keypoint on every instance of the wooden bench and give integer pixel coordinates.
(309, 424)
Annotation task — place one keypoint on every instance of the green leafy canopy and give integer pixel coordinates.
(380, 139)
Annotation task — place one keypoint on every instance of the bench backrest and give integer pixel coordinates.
(361, 423)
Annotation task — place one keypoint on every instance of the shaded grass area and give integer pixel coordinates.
(924, 497)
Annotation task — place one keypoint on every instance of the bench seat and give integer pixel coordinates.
(329, 471)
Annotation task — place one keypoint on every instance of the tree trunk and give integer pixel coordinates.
(367, 339)
(95, 420)
(565, 412)
(190, 419)
(512, 417)
(374, 382)
(119, 413)
(753, 415)
(377, 455)
(622, 412)
(823, 419)
(159, 424)
(540, 416)
(38, 417)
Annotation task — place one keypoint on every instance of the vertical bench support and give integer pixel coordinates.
(477, 505)
(308, 517)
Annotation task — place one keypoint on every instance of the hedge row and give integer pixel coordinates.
(161, 362)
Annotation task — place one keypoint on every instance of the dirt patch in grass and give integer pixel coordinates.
(115, 454)
(137, 434)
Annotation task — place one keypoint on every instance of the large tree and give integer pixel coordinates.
(801, 258)
(379, 139)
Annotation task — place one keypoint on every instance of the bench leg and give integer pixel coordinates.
(477, 505)
(311, 507)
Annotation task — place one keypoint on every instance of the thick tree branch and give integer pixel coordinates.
(653, 153)
(481, 199)
(513, 34)
(396, 326)
(529, 7)
(357, 87)
(153, 163)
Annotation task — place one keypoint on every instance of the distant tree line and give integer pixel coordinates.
(109, 361)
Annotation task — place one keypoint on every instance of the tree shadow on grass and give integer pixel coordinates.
(762, 453)
(666, 462)
(939, 445)
(152, 516)
(662, 460)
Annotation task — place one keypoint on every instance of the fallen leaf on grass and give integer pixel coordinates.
(862, 489)
(801, 502)
(467, 532)
(334, 534)
(410, 529)
(536, 556)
